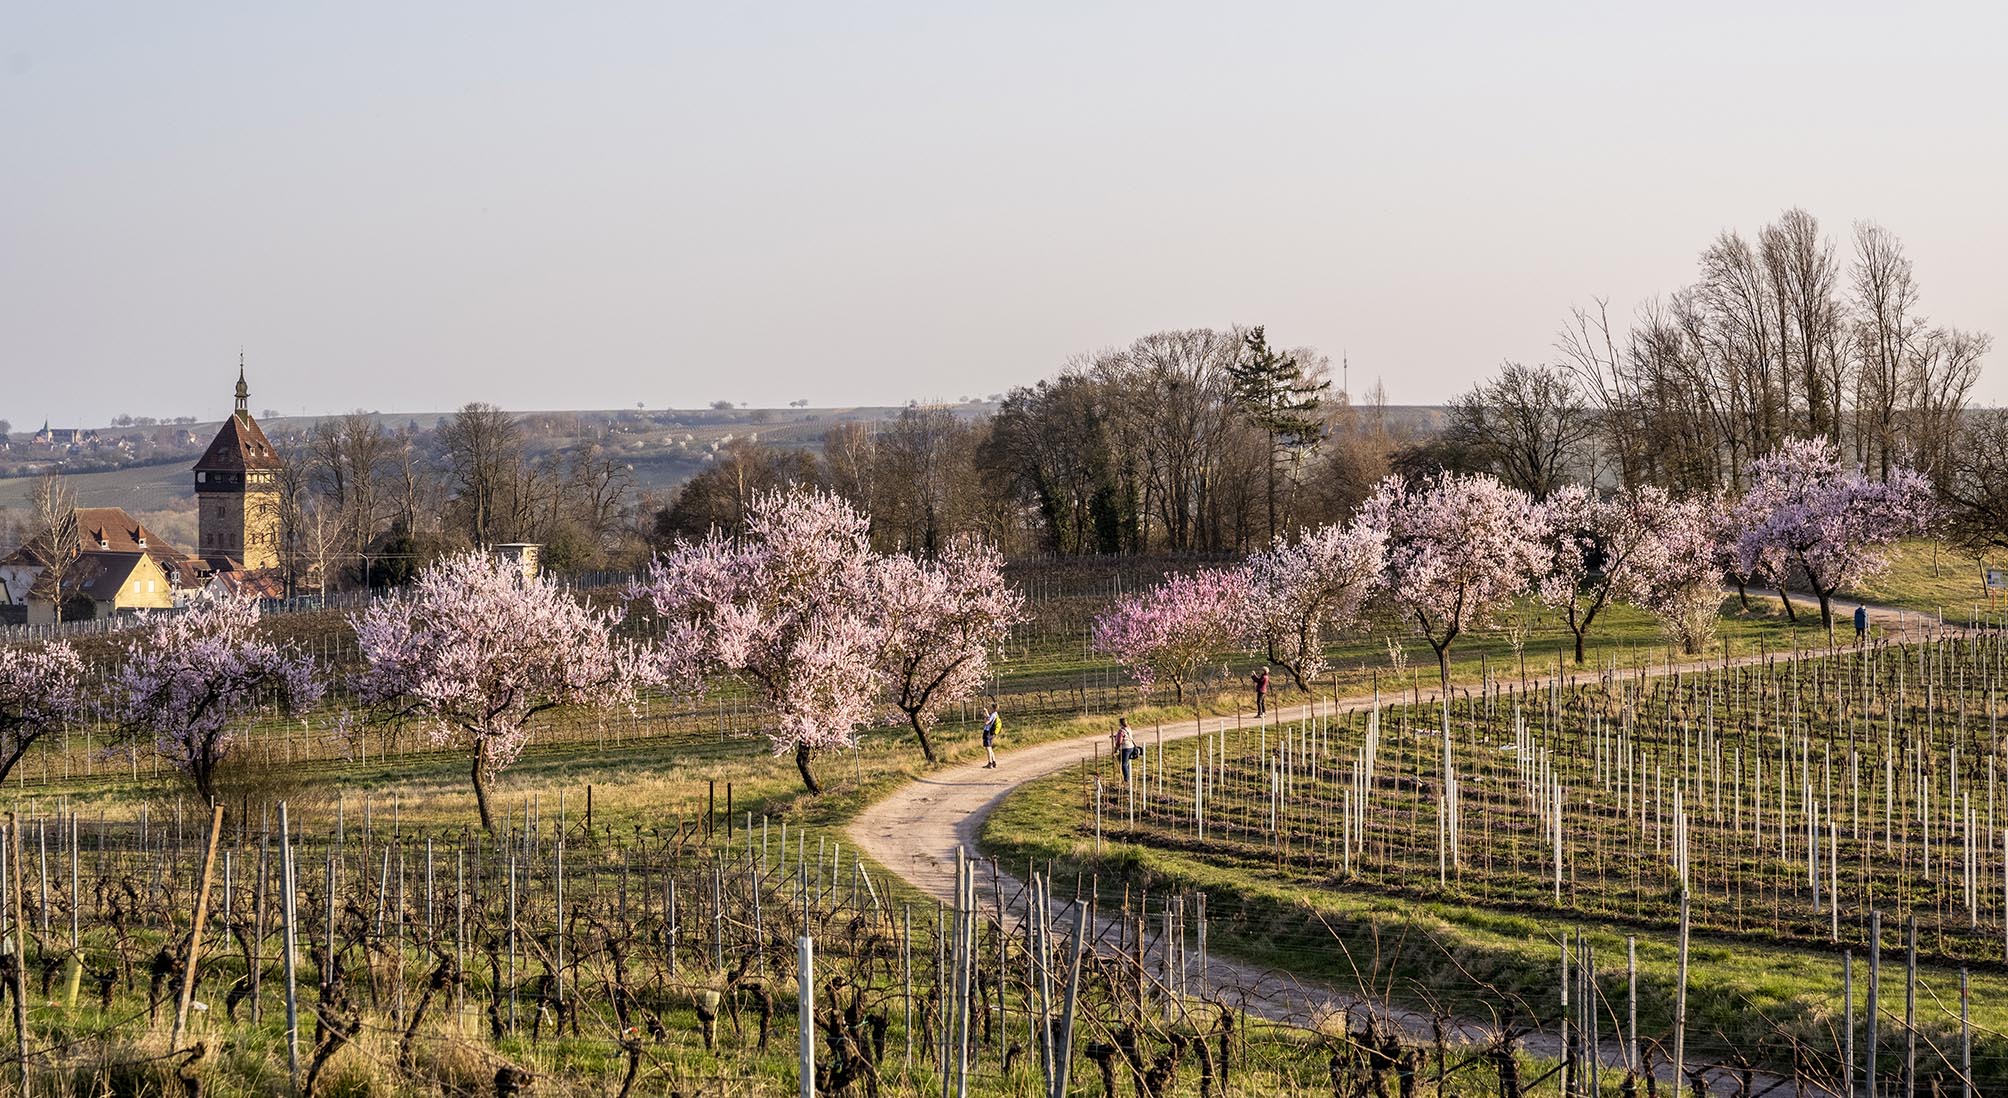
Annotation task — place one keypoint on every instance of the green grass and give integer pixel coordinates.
(1930, 577)
(1051, 687)
(1746, 995)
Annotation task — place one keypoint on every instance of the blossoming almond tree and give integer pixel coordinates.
(1458, 548)
(191, 677)
(1593, 546)
(39, 694)
(1677, 570)
(1302, 592)
(1812, 515)
(475, 651)
(791, 608)
(1164, 633)
(941, 618)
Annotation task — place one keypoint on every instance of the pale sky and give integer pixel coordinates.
(409, 206)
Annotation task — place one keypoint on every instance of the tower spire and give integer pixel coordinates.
(243, 390)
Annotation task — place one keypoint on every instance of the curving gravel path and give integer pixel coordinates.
(917, 830)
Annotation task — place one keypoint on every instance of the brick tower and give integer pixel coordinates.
(237, 492)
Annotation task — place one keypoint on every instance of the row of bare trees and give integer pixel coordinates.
(1787, 336)
(1199, 440)
(363, 502)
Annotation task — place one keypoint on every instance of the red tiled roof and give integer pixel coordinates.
(240, 444)
(104, 529)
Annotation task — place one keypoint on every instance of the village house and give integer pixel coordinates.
(114, 565)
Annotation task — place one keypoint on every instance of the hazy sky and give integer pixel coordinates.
(409, 206)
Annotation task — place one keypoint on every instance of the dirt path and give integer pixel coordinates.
(917, 831)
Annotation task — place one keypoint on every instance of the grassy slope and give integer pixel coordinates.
(653, 784)
(1743, 990)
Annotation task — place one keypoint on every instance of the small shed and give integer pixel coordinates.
(527, 556)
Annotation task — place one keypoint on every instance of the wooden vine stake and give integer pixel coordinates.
(1680, 1003)
(20, 944)
(290, 936)
(805, 1007)
(198, 923)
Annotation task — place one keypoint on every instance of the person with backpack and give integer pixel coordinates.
(1125, 745)
(991, 724)
(1261, 680)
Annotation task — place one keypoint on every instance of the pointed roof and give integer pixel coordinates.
(240, 443)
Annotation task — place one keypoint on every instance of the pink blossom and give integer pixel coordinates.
(1165, 632)
(1303, 592)
(1598, 549)
(1811, 516)
(191, 677)
(475, 651)
(942, 617)
(1676, 572)
(1457, 549)
(39, 694)
(792, 609)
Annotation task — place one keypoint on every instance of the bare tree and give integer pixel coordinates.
(1772, 342)
(1805, 278)
(354, 454)
(484, 453)
(850, 463)
(57, 538)
(294, 479)
(410, 483)
(925, 470)
(1976, 494)
(1938, 381)
(1527, 426)
(1887, 327)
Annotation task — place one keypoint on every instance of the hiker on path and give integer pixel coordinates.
(991, 723)
(1861, 624)
(1125, 745)
(1261, 680)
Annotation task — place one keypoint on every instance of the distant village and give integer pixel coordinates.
(84, 449)
(96, 562)
(98, 523)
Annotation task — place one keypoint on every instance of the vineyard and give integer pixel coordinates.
(1847, 805)
(634, 921)
(356, 955)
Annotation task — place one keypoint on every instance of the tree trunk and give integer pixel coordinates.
(1579, 644)
(203, 774)
(1785, 597)
(1443, 673)
(802, 764)
(481, 787)
(920, 733)
(1271, 544)
(1827, 613)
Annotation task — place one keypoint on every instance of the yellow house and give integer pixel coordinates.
(110, 583)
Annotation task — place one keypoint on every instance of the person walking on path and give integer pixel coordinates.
(1861, 624)
(1261, 680)
(1125, 743)
(991, 723)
